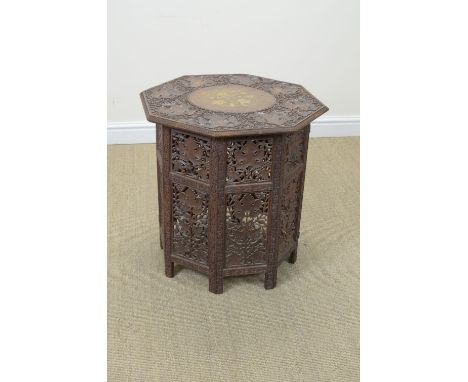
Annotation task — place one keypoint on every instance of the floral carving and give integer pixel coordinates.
(294, 151)
(178, 107)
(168, 103)
(165, 91)
(246, 228)
(212, 120)
(283, 88)
(195, 82)
(300, 105)
(277, 117)
(242, 79)
(190, 155)
(190, 219)
(289, 210)
(249, 160)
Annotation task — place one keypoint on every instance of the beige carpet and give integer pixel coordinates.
(306, 329)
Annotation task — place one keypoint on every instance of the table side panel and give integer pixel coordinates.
(188, 178)
(291, 192)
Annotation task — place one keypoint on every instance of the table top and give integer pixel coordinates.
(231, 105)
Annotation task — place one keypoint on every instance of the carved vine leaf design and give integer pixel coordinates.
(294, 151)
(190, 219)
(246, 228)
(249, 161)
(169, 101)
(289, 211)
(190, 156)
(294, 156)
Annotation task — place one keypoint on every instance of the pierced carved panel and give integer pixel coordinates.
(190, 220)
(190, 155)
(294, 151)
(249, 160)
(246, 228)
(289, 211)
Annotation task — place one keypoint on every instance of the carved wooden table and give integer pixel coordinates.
(231, 154)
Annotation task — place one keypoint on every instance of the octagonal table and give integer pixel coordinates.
(231, 159)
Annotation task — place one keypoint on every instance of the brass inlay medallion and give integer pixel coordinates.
(231, 99)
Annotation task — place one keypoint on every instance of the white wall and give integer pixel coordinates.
(310, 42)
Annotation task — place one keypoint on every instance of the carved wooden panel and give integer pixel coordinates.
(246, 228)
(190, 218)
(190, 155)
(294, 151)
(288, 212)
(171, 102)
(249, 161)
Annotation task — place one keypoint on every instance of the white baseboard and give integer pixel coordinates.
(325, 127)
(124, 133)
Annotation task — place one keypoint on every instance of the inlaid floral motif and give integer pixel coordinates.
(249, 160)
(190, 219)
(190, 155)
(246, 228)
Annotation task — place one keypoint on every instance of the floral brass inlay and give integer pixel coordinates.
(231, 99)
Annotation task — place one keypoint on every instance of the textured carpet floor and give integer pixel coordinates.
(306, 329)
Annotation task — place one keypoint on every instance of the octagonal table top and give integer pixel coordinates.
(231, 105)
